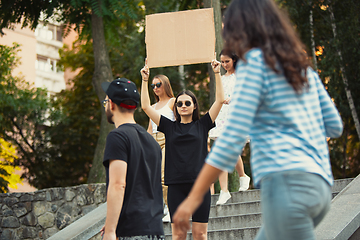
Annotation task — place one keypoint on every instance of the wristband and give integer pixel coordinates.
(145, 80)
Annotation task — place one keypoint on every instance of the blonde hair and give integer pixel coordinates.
(166, 83)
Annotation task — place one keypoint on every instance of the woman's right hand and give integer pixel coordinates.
(145, 72)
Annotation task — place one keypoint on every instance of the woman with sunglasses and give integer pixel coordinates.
(228, 62)
(164, 105)
(186, 148)
(280, 101)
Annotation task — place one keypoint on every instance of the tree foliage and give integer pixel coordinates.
(8, 177)
(74, 132)
(26, 13)
(29, 13)
(23, 113)
(84, 14)
(344, 151)
(125, 42)
(70, 137)
(55, 138)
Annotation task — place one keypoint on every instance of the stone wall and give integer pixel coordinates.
(40, 214)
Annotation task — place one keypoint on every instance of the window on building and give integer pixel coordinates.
(49, 32)
(46, 64)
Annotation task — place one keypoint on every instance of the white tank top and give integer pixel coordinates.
(166, 112)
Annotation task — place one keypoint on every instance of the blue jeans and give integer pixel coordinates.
(293, 203)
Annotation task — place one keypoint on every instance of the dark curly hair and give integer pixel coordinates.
(260, 24)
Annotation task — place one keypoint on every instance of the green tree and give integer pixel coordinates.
(343, 17)
(55, 138)
(23, 115)
(88, 17)
(125, 43)
(8, 177)
(119, 41)
(75, 130)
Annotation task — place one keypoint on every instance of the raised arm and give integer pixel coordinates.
(145, 99)
(219, 92)
(149, 129)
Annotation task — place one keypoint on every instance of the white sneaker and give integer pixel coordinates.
(166, 210)
(166, 218)
(223, 198)
(244, 183)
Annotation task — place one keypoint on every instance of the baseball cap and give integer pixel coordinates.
(120, 90)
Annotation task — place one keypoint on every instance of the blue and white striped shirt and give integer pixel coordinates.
(288, 130)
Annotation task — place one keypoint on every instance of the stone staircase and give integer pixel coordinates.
(240, 217)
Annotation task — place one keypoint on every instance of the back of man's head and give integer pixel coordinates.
(122, 92)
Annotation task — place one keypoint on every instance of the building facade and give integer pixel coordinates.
(40, 54)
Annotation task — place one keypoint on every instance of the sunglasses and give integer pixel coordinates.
(156, 85)
(180, 103)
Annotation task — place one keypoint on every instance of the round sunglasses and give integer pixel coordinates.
(180, 103)
(156, 85)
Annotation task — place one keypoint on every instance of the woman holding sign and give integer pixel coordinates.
(186, 148)
(280, 101)
(164, 105)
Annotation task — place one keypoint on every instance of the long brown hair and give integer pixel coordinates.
(196, 112)
(260, 24)
(167, 87)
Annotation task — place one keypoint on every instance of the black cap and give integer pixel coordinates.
(122, 89)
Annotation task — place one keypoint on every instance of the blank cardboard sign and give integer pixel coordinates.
(180, 38)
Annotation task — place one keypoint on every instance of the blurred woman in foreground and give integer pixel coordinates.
(282, 104)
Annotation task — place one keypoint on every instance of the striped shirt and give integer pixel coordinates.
(288, 130)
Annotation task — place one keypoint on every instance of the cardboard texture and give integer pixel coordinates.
(180, 38)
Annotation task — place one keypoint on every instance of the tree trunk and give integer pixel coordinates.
(182, 77)
(102, 73)
(345, 152)
(342, 68)
(181, 68)
(313, 50)
(215, 4)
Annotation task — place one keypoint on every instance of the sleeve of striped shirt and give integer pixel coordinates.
(332, 120)
(246, 98)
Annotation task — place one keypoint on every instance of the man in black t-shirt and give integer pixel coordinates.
(132, 161)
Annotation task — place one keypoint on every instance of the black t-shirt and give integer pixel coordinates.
(142, 209)
(186, 148)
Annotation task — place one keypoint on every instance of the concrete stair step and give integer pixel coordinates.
(254, 194)
(228, 222)
(239, 218)
(238, 197)
(242, 209)
(226, 234)
(229, 209)
(234, 221)
(340, 184)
